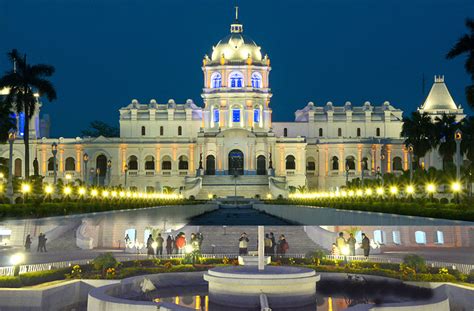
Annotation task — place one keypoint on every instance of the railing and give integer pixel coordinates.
(149, 173)
(133, 173)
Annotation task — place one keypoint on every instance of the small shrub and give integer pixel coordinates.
(415, 262)
(104, 262)
(10, 281)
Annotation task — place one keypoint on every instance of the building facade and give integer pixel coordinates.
(189, 147)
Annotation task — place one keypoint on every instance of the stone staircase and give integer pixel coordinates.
(226, 239)
(248, 186)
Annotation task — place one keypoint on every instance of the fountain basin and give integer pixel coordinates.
(242, 285)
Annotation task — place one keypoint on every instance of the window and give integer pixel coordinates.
(379, 237)
(130, 235)
(339, 132)
(50, 164)
(216, 115)
(396, 237)
(17, 171)
(320, 132)
(166, 163)
(358, 132)
(335, 163)
(397, 164)
(70, 164)
(420, 237)
(133, 163)
(236, 79)
(439, 237)
(350, 163)
(377, 132)
(256, 115)
(290, 162)
(183, 163)
(149, 163)
(285, 132)
(365, 164)
(161, 131)
(311, 166)
(256, 80)
(235, 115)
(180, 131)
(216, 80)
(143, 131)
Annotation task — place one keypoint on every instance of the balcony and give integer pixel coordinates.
(290, 172)
(149, 173)
(183, 172)
(133, 173)
(166, 173)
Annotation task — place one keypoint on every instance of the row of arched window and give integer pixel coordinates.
(236, 80)
(162, 131)
(236, 115)
(351, 164)
(380, 237)
(339, 132)
(149, 163)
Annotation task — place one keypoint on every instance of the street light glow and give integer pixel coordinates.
(67, 190)
(430, 188)
(17, 259)
(48, 189)
(393, 190)
(25, 188)
(410, 189)
(368, 191)
(456, 186)
(380, 191)
(82, 191)
(94, 192)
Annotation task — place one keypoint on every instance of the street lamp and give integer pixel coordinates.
(25, 189)
(97, 175)
(68, 178)
(85, 158)
(16, 260)
(109, 168)
(458, 139)
(431, 188)
(11, 140)
(125, 169)
(410, 161)
(54, 151)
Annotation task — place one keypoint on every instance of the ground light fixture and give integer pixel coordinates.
(67, 190)
(359, 192)
(82, 191)
(368, 192)
(188, 249)
(456, 186)
(393, 190)
(94, 192)
(48, 189)
(269, 196)
(410, 189)
(105, 194)
(430, 188)
(379, 191)
(25, 188)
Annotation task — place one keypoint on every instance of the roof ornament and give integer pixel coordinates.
(439, 79)
(236, 26)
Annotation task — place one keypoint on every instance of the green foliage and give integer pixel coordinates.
(98, 128)
(104, 262)
(415, 262)
(316, 254)
(10, 282)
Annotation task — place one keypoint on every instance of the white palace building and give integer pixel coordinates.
(199, 149)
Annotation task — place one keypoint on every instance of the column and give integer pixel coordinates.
(342, 161)
(261, 248)
(61, 160)
(158, 160)
(405, 158)
(359, 159)
(191, 158)
(389, 158)
(44, 160)
(78, 160)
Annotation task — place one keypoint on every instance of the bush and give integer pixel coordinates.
(316, 254)
(415, 262)
(104, 262)
(10, 281)
(470, 277)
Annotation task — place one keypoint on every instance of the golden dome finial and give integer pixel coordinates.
(222, 59)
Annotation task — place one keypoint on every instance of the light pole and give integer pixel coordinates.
(97, 176)
(109, 168)
(125, 169)
(382, 159)
(91, 176)
(458, 139)
(410, 161)
(54, 151)
(11, 140)
(85, 158)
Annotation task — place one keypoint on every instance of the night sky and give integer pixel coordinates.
(108, 52)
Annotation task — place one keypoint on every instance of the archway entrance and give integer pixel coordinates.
(101, 169)
(210, 165)
(236, 162)
(261, 165)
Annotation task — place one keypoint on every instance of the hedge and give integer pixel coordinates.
(33, 278)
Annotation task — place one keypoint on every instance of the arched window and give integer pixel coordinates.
(216, 115)
(290, 162)
(183, 163)
(216, 80)
(17, 171)
(420, 237)
(70, 164)
(236, 79)
(130, 235)
(310, 164)
(149, 163)
(380, 237)
(143, 131)
(339, 132)
(358, 132)
(236, 115)
(350, 163)
(256, 80)
(162, 131)
(396, 237)
(335, 163)
(261, 165)
(439, 237)
(210, 165)
(133, 163)
(397, 164)
(256, 115)
(320, 132)
(285, 132)
(166, 163)
(51, 164)
(180, 131)
(365, 164)
(377, 132)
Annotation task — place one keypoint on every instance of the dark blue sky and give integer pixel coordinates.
(107, 52)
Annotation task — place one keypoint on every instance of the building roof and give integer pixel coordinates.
(439, 97)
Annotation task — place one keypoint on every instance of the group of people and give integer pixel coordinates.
(272, 246)
(41, 243)
(350, 244)
(173, 245)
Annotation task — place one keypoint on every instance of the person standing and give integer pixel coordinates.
(181, 242)
(351, 241)
(243, 244)
(159, 245)
(43, 244)
(127, 240)
(274, 244)
(200, 237)
(40, 243)
(365, 245)
(28, 243)
(341, 242)
(149, 246)
(268, 244)
(282, 245)
(169, 245)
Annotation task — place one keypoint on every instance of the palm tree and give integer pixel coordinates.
(6, 121)
(419, 131)
(23, 81)
(467, 143)
(445, 127)
(465, 45)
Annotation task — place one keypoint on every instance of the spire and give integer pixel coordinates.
(439, 97)
(236, 26)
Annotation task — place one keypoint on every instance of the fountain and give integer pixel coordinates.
(252, 285)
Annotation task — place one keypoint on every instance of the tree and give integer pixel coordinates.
(420, 132)
(445, 128)
(467, 143)
(7, 122)
(24, 81)
(99, 128)
(465, 45)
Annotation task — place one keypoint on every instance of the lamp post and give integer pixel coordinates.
(91, 176)
(410, 161)
(458, 139)
(54, 151)
(382, 159)
(97, 176)
(125, 169)
(85, 158)
(11, 139)
(109, 168)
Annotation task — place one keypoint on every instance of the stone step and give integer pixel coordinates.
(230, 180)
(222, 191)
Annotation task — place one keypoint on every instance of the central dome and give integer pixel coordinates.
(236, 48)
